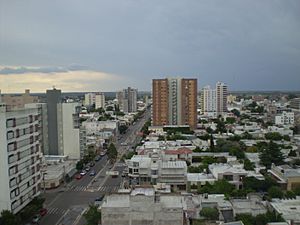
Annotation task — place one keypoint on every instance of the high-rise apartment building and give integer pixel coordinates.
(99, 100)
(221, 94)
(64, 132)
(209, 101)
(19, 101)
(89, 99)
(20, 157)
(174, 102)
(53, 98)
(127, 100)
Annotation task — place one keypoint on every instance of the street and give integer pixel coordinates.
(66, 205)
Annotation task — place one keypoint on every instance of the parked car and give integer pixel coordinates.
(36, 219)
(98, 200)
(92, 173)
(97, 158)
(91, 164)
(87, 168)
(43, 212)
(83, 172)
(78, 176)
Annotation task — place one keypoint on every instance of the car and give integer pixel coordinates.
(87, 169)
(99, 200)
(92, 173)
(123, 143)
(83, 172)
(43, 212)
(78, 176)
(97, 158)
(36, 219)
(92, 164)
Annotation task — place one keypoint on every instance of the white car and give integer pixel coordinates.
(83, 172)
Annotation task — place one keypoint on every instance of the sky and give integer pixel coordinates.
(99, 45)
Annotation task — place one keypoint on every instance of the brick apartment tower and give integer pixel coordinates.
(174, 102)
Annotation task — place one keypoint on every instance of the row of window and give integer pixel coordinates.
(13, 122)
(21, 132)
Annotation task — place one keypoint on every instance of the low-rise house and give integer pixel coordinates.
(288, 209)
(251, 205)
(196, 180)
(234, 173)
(286, 176)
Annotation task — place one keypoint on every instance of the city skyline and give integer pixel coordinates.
(106, 45)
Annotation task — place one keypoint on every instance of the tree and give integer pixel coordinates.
(79, 165)
(123, 129)
(286, 137)
(221, 126)
(248, 165)
(210, 213)
(236, 112)
(8, 218)
(275, 192)
(292, 153)
(275, 136)
(92, 216)
(271, 154)
(112, 152)
(110, 108)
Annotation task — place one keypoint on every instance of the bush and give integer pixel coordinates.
(275, 192)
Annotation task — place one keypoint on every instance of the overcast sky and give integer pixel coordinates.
(98, 45)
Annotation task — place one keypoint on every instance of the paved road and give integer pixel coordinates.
(66, 205)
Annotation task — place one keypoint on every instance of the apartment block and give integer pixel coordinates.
(152, 170)
(65, 136)
(99, 100)
(19, 101)
(127, 100)
(295, 103)
(221, 94)
(142, 206)
(89, 99)
(209, 101)
(174, 102)
(20, 157)
(285, 118)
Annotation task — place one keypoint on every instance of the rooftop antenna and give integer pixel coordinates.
(54, 87)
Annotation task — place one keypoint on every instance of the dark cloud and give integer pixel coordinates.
(250, 44)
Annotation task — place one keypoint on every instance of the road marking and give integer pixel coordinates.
(58, 223)
(79, 216)
(98, 174)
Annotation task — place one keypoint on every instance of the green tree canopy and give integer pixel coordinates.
(271, 154)
(210, 213)
(92, 216)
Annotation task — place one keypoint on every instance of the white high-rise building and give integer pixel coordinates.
(20, 157)
(209, 101)
(221, 95)
(89, 99)
(99, 100)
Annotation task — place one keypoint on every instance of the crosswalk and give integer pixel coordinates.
(77, 188)
(105, 189)
(56, 211)
(108, 189)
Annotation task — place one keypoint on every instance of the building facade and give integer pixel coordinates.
(99, 100)
(174, 102)
(221, 96)
(142, 206)
(89, 99)
(20, 159)
(19, 101)
(209, 101)
(127, 100)
(285, 118)
(295, 103)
